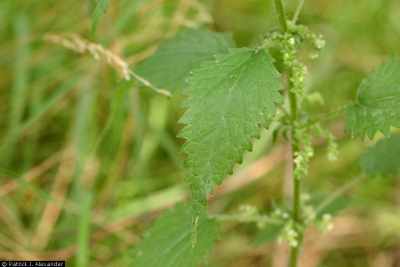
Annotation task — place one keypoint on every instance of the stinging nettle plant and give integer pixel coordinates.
(231, 94)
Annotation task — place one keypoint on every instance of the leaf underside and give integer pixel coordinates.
(170, 241)
(377, 108)
(382, 158)
(169, 67)
(229, 100)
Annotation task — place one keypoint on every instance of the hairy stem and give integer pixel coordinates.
(296, 200)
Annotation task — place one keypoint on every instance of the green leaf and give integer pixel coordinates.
(99, 10)
(169, 67)
(229, 100)
(382, 158)
(172, 242)
(377, 107)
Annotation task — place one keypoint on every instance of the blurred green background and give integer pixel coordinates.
(88, 160)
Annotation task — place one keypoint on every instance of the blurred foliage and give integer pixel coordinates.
(87, 159)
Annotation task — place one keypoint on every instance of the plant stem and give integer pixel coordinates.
(280, 8)
(244, 218)
(298, 11)
(296, 200)
(296, 208)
